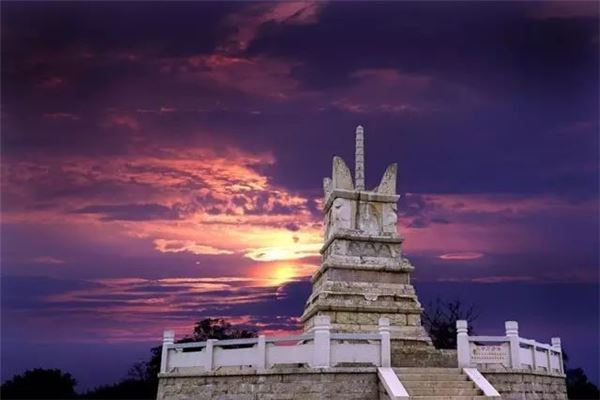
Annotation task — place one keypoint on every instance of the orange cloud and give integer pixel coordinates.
(199, 200)
(176, 246)
(289, 252)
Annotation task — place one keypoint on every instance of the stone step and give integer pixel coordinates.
(445, 392)
(420, 370)
(432, 377)
(438, 384)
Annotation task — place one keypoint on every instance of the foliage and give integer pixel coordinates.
(439, 319)
(39, 384)
(578, 385)
(219, 329)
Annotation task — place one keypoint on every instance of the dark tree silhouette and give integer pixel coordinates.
(142, 380)
(439, 319)
(219, 329)
(578, 385)
(40, 384)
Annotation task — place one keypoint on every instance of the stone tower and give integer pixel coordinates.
(363, 275)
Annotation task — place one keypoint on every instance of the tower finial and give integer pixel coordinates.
(359, 160)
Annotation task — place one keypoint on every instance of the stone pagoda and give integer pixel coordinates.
(364, 275)
(363, 336)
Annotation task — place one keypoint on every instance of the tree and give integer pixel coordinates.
(142, 380)
(40, 383)
(578, 385)
(219, 329)
(439, 319)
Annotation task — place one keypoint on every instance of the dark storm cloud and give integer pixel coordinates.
(534, 77)
(182, 298)
(36, 289)
(521, 88)
(160, 27)
(435, 37)
(131, 212)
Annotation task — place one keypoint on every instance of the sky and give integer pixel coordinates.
(162, 163)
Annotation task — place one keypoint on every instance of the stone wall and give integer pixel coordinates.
(519, 385)
(408, 354)
(352, 383)
(274, 384)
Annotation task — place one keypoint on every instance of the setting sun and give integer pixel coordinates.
(283, 273)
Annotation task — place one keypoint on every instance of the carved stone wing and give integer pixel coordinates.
(341, 177)
(388, 181)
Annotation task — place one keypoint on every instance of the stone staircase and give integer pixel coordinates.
(438, 384)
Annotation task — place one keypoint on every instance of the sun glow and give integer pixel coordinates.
(282, 274)
(284, 252)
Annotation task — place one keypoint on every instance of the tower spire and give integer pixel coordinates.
(359, 160)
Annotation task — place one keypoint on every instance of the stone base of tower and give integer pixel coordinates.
(409, 353)
(362, 279)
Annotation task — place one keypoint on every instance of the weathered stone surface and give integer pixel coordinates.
(341, 177)
(388, 181)
(414, 354)
(527, 385)
(338, 383)
(363, 275)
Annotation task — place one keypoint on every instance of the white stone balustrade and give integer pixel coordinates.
(507, 352)
(319, 348)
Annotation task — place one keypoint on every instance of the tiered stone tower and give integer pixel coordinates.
(363, 275)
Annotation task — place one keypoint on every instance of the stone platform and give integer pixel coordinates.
(274, 384)
(354, 383)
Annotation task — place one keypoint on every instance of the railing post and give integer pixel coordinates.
(322, 342)
(386, 348)
(261, 353)
(168, 339)
(512, 332)
(556, 345)
(209, 361)
(463, 348)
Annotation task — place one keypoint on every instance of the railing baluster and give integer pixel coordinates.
(512, 332)
(322, 342)
(209, 361)
(386, 349)
(462, 344)
(168, 339)
(556, 345)
(261, 353)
